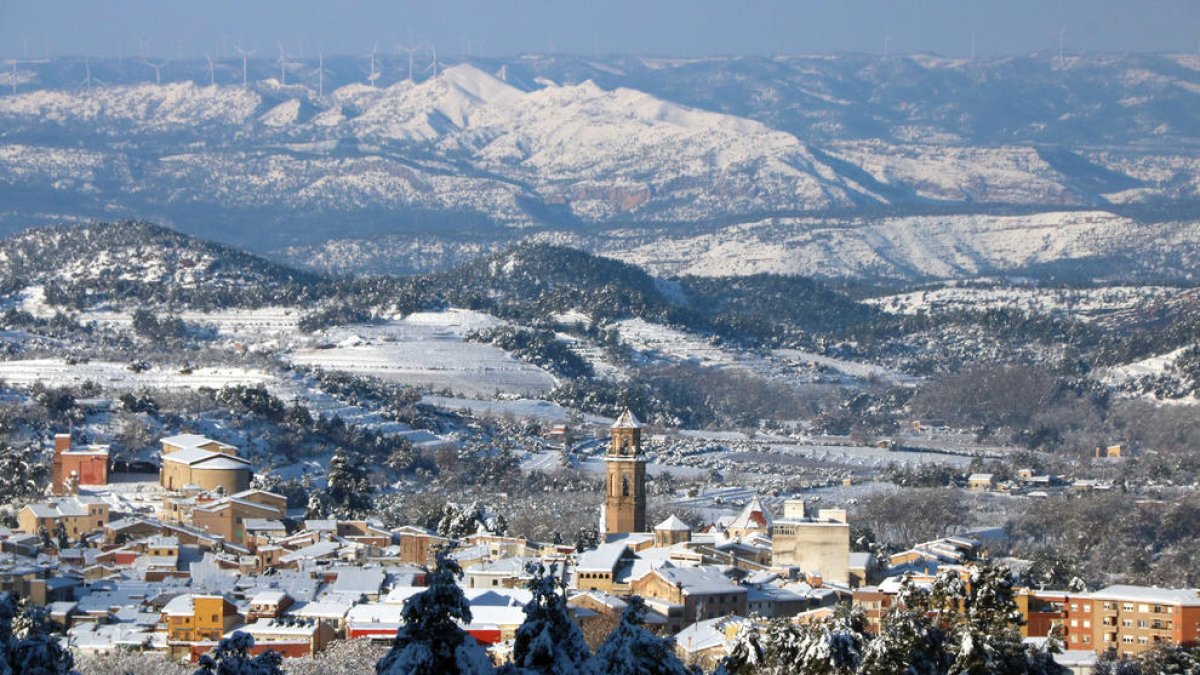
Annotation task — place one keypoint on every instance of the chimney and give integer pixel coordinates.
(62, 443)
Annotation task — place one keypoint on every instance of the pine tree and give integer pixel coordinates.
(833, 647)
(746, 655)
(548, 641)
(988, 640)
(232, 656)
(431, 642)
(346, 484)
(632, 650)
(909, 642)
(27, 646)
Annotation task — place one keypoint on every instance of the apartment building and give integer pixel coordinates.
(1132, 619)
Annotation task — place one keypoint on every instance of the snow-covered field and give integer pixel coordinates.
(1084, 303)
(426, 349)
(118, 376)
(794, 365)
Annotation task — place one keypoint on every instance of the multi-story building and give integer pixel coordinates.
(79, 516)
(72, 467)
(1132, 619)
(197, 618)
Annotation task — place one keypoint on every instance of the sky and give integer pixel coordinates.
(173, 28)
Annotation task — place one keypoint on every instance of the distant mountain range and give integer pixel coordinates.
(827, 161)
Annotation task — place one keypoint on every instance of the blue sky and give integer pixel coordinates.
(661, 27)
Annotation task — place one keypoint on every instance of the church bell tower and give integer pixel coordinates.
(625, 487)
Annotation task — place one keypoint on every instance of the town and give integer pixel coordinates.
(177, 566)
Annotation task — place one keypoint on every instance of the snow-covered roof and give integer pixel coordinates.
(269, 597)
(627, 420)
(603, 558)
(277, 627)
(358, 580)
(673, 524)
(320, 549)
(222, 463)
(186, 440)
(699, 580)
(1166, 596)
(754, 516)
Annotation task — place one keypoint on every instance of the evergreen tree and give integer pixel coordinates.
(431, 641)
(746, 655)
(632, 650)
(988, 640)
(833, 647)
(27, 646)
(346, 484)
(548, 641)
(232, 657)
(909, 642)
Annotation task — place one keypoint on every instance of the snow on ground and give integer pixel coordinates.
(117, 376)
(1085, 303)
(523, 407)
(794, 365)
(426, 349)
(1148, 367)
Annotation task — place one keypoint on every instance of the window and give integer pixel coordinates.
(1074, 623)
(1127, 639)
(1128, 606)
(1087, 624)
(215, 618)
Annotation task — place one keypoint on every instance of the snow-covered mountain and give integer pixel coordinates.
(584, 148)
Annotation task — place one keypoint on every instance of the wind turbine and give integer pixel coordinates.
(87, 77)
(13, 77)
(245, 57)
(212, 74)
(320, 73)
(502, 73)
(157, 69)
(972, 44)
(410, 49)
(1062, 38)
(433, 66)
(374, 75)
(282, 63)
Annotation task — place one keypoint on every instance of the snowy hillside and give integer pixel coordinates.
(678, 154)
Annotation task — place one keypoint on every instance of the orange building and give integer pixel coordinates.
(196, 618)
(1132, 619)
(82, 466)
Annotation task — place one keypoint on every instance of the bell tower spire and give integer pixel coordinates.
(625, 486)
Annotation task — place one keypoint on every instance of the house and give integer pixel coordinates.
(190, 460)
(197, 618)
(685, 594)
(599, 569)
(78, 515)
(226, 517)
(705, 643)
(268, 604)
(291, 637)
(418, 545)
(981, 482)
(73, 467)
(671, 531)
